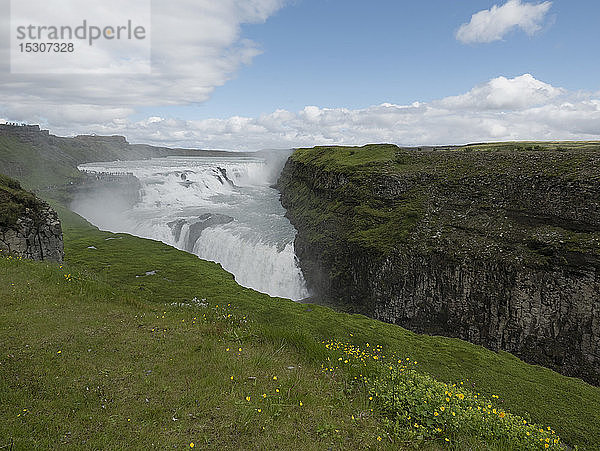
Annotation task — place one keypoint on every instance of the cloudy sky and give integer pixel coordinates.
(252, 74)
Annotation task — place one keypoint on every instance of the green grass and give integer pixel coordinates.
(36, 168)
(109, 372)
(384, 228)
(102, 321)
(347, 158)
(573, 159)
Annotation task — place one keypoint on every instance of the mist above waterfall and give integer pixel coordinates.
(222, 209)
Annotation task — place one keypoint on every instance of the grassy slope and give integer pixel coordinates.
(112, 312)
(130, 375)
(35, 168)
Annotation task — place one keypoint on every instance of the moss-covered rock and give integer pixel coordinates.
(29, 228)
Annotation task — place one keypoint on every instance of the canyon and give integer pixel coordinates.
(497, 246)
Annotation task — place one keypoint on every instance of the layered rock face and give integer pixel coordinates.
(29, 228)
(37, 239)
(498, 248)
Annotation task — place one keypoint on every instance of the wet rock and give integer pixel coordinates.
(204, 221)
(196, 227)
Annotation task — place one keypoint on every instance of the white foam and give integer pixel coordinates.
(254, 263)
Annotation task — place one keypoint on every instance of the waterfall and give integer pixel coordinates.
(219, 208)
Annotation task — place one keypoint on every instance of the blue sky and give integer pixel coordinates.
(250, 74)
(353, 54)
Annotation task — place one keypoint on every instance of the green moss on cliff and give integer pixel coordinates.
(346, 157)
(435, 195)
(561, 158)
(387, 226)
(13, 201)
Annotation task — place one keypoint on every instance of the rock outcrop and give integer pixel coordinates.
(196, 227)
(29, 228)
(498, 248)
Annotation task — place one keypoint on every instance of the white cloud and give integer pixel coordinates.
(520, 108)
(505, 94)
(196, 47)
(493, 24)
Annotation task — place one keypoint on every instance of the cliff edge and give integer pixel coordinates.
(495, 244)
(29, 228)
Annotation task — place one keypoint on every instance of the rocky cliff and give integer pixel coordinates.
(29, 228)
(498, 246)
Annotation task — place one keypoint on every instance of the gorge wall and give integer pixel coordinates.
(29, 228)
(497, 246)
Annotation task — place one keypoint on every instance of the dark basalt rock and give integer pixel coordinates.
(176, 227)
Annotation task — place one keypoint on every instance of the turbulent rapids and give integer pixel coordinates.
(219, 208)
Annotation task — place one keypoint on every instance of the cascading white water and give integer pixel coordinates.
(273, 271)
(220, 208)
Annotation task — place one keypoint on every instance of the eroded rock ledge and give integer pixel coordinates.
(29, 228)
